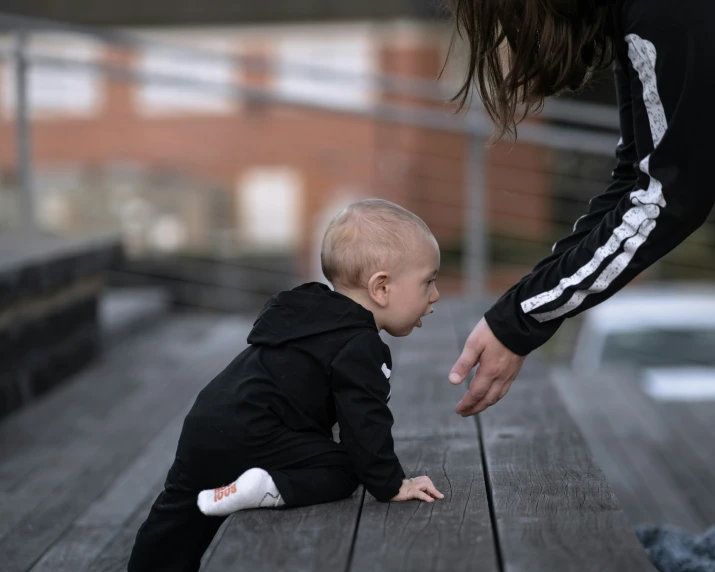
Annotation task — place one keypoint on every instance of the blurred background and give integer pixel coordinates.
(166, 156)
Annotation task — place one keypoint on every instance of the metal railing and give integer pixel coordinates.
(567, 128)
(473, 124)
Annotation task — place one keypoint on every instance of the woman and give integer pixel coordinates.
(662, 189)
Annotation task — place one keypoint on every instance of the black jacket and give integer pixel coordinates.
(315, 357)
(661, 189)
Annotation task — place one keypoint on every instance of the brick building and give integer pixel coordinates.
(274, 172)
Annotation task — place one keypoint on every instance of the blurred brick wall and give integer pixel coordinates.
(422, 169)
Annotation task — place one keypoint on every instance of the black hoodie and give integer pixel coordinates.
(315, 357)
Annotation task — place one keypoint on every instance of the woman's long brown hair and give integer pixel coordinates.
(522, 51)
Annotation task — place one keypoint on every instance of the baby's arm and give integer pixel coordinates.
(361, 389)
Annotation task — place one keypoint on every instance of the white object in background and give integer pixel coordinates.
(334, 71)
(58, 91)
(667, 307)
(680, 383)
(168, 234)
(211, 81)
(270, 201)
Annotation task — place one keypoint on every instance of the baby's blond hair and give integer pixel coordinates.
(368, 236)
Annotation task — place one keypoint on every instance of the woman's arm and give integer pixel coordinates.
(646, 212)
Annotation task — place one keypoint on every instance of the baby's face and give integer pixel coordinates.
(414, 290)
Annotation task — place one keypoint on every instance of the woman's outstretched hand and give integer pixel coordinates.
(498, 368)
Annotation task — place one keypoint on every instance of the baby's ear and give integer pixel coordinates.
(378, 288)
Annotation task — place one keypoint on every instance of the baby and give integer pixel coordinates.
(314, 358)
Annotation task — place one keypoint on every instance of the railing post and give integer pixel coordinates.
(476, 221)
(24, 132)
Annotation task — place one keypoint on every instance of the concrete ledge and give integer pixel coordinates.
(49, 326)
(32, 264)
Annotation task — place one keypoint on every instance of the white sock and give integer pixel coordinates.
(253, 489)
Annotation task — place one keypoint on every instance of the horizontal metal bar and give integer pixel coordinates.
(595, 115)
(407, 86)
(471, 123)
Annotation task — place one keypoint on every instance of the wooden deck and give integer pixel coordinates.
(79, 470)
(657, 456)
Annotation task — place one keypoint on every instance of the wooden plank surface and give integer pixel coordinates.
(301, 539)
(423, 401)
(450, 534)
(658, 456)
(162, 373)
(114, 556)
(553, 506)
(430, 439)
(87, 538)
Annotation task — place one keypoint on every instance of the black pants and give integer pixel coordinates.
(308, 468)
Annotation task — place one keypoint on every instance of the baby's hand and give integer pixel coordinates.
(418, 488)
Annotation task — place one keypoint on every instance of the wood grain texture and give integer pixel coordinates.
(657, 456)
(453, 533)
(551, 503)
(430, 439)
(87, 538)
(90, 441)
(553, 507)
(114, 556)
(80, 470)
(423, 401)
(300, 539)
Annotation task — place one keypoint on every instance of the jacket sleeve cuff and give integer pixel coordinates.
(389, 491)
(520, 341)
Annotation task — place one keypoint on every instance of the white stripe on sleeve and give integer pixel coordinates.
(639, 221)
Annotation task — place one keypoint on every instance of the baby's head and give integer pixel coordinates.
(385, 258)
